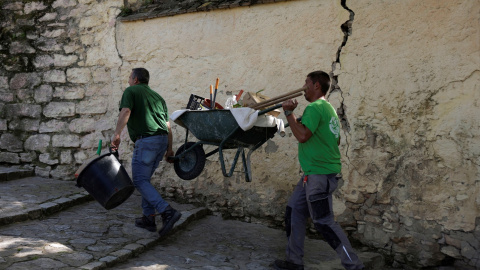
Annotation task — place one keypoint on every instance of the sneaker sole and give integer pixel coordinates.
(169, 226)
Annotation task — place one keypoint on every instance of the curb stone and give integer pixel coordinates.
(46, 209)
(132, 250)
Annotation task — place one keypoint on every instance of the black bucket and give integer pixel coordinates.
(106, 180)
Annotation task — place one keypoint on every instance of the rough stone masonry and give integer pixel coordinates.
(406, 85)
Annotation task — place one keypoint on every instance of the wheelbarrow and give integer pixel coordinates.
(218, 128)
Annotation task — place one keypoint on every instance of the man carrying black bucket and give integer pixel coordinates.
(145, 114)
(318, 135)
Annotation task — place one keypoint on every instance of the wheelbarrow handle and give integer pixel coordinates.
(270, 109)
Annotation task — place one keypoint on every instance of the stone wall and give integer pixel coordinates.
(406, 85)
(58, 73)
(410, 83)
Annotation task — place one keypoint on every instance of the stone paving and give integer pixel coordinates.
(52, 224)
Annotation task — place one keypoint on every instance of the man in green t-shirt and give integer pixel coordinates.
(145, 114)
(318, 135)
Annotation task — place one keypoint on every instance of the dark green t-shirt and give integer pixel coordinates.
(149, 113)
(320, 154)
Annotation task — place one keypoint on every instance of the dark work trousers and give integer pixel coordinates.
(313, 198)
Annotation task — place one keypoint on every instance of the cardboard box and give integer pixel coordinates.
(250, 99)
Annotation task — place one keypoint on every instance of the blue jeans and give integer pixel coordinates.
(147, 154)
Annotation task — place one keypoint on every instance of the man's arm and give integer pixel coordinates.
(169, 152)
(121, 123)
(301, 132)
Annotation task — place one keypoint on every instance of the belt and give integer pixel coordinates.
(146, 136)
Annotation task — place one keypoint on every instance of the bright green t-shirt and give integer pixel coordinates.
(320, 154)
(149, 113)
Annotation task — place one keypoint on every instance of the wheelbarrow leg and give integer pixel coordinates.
(222, 162)
(246, 166)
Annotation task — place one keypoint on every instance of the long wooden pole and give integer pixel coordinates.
(289, 95)
(272, 102)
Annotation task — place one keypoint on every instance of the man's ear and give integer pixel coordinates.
(317, 86)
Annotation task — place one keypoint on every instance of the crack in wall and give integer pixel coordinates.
(341, 111)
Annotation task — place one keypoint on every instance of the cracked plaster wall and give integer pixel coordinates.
(408, 90)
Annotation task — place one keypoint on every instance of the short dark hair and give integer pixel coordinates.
(141, 74)
(322, 78)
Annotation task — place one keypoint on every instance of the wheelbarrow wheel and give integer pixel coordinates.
(192, 164)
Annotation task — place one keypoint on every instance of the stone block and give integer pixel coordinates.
(66, 157)
(52, 126)
(3, 83)
(48, 17)
(95, 105)
(6, 96)
(47, 44)
(101, 75)
(47, 159)
(43, 93)
(60, 60)
(53, 33)
(79, 75)
(22, 110)
(25, 124)
(91, 140)
(18, 47)
(59, 109)
(34, 6)
(43, 171)
(54, 76)
(43, 61)
(98, 89)
(24, 80)
(65, 140)
(451, 251)
(28, 157)
(3, 124)
(468, 251)
(13, 6)
(449, 240)
(82, 125)
(38, 142)
(11, 143)
(64, 172)
(8, 157)
(25, 95)
(69, 92)
(64, 3)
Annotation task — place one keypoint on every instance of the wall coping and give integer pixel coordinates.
(161, 9)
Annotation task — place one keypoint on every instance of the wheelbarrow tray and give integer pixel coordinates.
(216, 126)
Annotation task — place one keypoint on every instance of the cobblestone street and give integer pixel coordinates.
(52, 224)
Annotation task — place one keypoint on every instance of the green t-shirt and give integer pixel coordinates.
(149, 113)
(320, 154)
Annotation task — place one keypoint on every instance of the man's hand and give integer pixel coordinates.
(115, 142)
(168, 154)
(121, 123)
(289, 105)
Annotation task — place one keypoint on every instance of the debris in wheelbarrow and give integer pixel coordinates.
(195, 102)
(218, 128)
(206, 103)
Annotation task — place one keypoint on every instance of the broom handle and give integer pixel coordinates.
(281, 97)
(273, 101)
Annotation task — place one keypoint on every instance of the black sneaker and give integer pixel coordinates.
(147, 223)
(169, 218)
(281, 265)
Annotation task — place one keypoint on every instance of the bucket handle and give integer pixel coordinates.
(113, 151)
